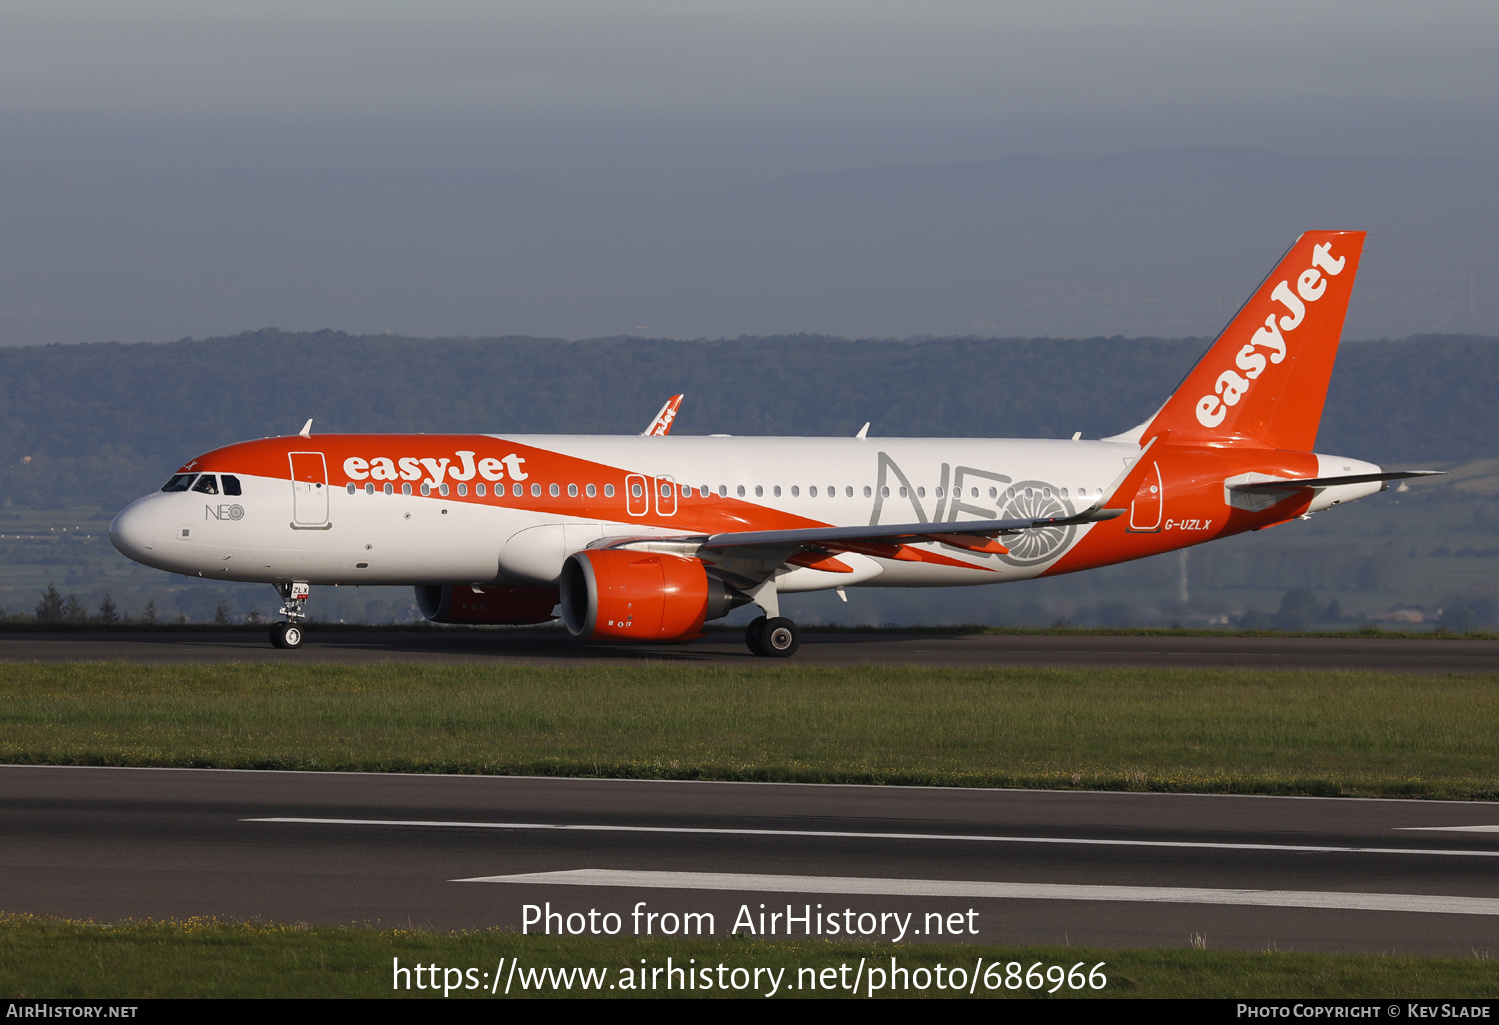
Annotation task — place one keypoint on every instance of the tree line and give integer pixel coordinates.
(101, 424)
(53, 609)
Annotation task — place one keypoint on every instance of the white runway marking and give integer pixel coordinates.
(1332, 900)
(1454, 829)
(845, 835)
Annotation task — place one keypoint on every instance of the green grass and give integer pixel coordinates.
(1322, 733)
(50, 958)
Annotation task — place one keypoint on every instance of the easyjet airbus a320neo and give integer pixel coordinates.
(647, 538)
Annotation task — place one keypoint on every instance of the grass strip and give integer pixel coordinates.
(1307, 733)
(59, 959)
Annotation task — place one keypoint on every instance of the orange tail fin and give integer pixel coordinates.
(1264, 380)
(661, 426)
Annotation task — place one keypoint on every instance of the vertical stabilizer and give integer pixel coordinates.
(661, 426)
(1264, 380)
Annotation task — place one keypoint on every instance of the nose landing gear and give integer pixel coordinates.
(294, 608)
(286, 635)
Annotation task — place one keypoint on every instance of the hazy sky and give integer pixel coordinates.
(656, 101)
(852, 59)
(810, 82)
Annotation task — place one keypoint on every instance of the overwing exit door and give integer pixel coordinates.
(637, 495)
(666, 496)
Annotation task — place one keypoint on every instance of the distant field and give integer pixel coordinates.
(48, 958)
(1214, 732)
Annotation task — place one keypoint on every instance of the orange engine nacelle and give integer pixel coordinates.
(493, 606)
(643, 596)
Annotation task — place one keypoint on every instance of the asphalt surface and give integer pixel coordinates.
(1111, 870)
(553, 647)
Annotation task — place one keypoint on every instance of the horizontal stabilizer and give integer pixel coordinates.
(1293, 483)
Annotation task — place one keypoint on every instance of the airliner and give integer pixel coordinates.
(646, 538)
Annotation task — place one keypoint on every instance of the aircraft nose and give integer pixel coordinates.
(133, 531)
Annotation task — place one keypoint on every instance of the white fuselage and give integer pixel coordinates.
(396, 538)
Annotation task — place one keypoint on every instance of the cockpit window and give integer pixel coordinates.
(231, 484)
(207, 485)
(179, 482)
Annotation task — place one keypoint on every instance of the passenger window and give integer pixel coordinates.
(535, 490)
(553, 490)
(812, 491)
(426, 490)
(572, 491)
(832, 492)
(349, 488)
(405, 489)
(207, 485)
(389, 489)
(903, 493)
(759, 491)
(796, 491)
(231, 485)
(848, 492)
(739, 491)
(704, 491)
(369, 489)
(938, 493)
(462, 490)
(179, 482)
(921, 492)
(591, 491)
(776, 491)
(884, 492)
(993, 492)
(635, 490)
(518, 490)
(868, 491)
(608, 490)
(1064, 492)
(480, 490)
(665, 490)
(723, 491)
(442, 489)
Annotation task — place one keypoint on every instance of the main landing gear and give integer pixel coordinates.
(777, 637)
(294, 608)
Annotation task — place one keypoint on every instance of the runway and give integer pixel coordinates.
(889, 863)
(553, 647)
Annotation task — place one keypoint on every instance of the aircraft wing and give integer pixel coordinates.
(1291, 484)
(975, 535)
(661, 426)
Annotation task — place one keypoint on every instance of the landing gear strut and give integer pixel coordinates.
(777, 637)
(294, 608)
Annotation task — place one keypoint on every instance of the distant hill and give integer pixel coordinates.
(102, 423)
